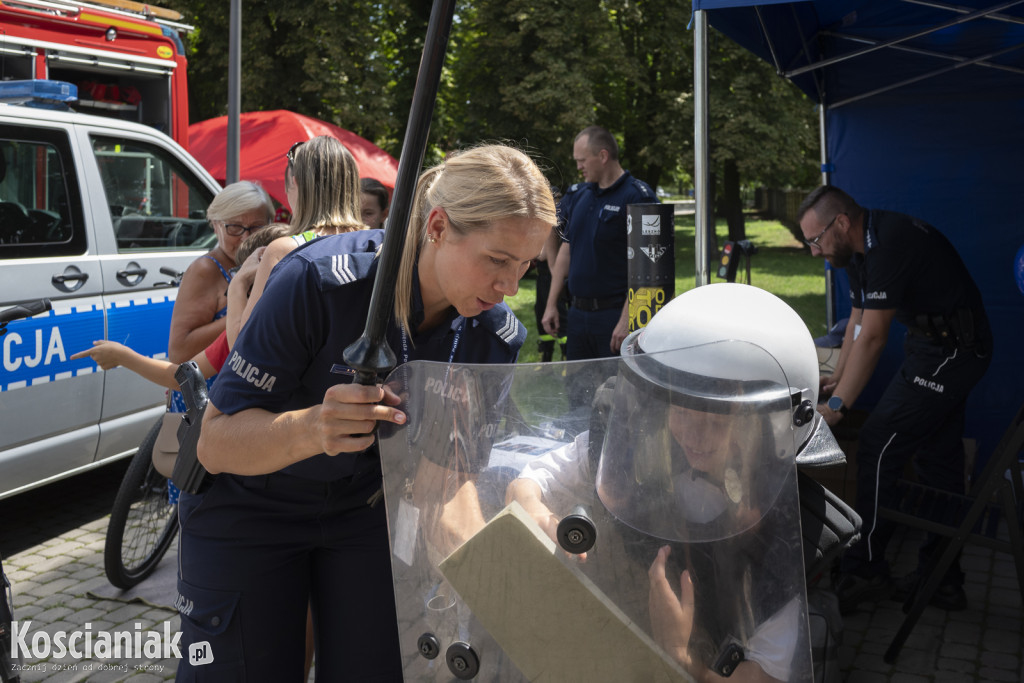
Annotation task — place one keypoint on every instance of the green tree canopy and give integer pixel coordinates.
(522, 71)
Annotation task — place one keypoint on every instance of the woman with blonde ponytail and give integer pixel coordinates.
(288, 518)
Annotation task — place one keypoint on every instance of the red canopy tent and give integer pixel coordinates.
(266, 137)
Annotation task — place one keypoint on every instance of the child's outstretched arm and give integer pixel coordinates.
(110, 354)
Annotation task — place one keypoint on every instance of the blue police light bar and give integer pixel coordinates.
(39, 93)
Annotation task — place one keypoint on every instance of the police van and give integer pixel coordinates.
(91, 209)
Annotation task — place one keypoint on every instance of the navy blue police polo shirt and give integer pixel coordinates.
(593, 222)
(314, 306)
(910, 266)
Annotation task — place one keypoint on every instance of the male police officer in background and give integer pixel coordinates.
(899, 267)
(592, 217)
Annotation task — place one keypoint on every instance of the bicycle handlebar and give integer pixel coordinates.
(26, 310)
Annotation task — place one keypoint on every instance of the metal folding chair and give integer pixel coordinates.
(997, 494)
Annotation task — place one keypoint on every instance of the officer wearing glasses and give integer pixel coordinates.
(904, 269)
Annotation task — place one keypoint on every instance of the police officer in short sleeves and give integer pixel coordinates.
(593, 254)
(290, 518)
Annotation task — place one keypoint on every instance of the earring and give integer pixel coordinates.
(431, 239)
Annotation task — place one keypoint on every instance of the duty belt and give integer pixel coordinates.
(955, 330)
(591, 305)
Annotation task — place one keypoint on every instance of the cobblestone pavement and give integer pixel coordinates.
(982, 643)
(52, 540)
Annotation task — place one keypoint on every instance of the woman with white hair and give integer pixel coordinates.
(236, 212)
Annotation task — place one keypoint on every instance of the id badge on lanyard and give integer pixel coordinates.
(455, 342)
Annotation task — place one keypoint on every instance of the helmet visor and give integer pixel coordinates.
(699, 441)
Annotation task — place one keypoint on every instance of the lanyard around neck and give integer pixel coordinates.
(455, 342)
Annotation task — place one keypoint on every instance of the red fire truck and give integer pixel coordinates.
(126, 58)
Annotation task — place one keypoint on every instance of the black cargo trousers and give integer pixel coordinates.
(920, 416)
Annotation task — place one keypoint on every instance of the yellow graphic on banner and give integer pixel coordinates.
(644, 303)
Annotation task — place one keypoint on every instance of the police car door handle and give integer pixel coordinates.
(132, 272)
(70, 280)
(61, 279)
(132, 275)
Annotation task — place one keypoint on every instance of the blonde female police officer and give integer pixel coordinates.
(287, 520)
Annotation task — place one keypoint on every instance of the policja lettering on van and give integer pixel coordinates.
(250, 373)
(54, 347)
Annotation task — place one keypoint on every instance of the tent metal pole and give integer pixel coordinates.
(768, 40)
(823, 141)
(234, 144)
(965, 10)
(925, 53)
(930, 74)
(895, 41)
(826, 178)
(701, 174)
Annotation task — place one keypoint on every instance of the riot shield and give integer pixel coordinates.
(625, 519)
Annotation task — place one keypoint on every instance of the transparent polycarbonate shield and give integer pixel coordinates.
(625, 519)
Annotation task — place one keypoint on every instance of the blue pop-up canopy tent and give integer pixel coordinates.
(922, 112)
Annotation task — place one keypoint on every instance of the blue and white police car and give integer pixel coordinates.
(91, 208)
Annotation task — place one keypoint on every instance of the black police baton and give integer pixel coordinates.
(370, 356)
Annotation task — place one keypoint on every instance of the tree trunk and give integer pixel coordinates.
(732, 202)
(652, 176)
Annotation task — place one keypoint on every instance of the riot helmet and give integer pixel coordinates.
(713, 399)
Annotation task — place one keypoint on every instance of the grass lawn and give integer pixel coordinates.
(782, 266)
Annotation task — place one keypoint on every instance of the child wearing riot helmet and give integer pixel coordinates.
(290, 515)
(697, 460)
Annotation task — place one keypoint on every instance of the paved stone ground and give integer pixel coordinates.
(982, 643)
(52, 540)
(52, 548)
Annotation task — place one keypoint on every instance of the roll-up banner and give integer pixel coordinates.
(652, 263)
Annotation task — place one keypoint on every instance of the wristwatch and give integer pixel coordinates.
(835, 404)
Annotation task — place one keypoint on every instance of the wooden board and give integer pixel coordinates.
(550, 619)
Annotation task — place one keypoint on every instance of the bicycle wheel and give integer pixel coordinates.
(142, 523)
